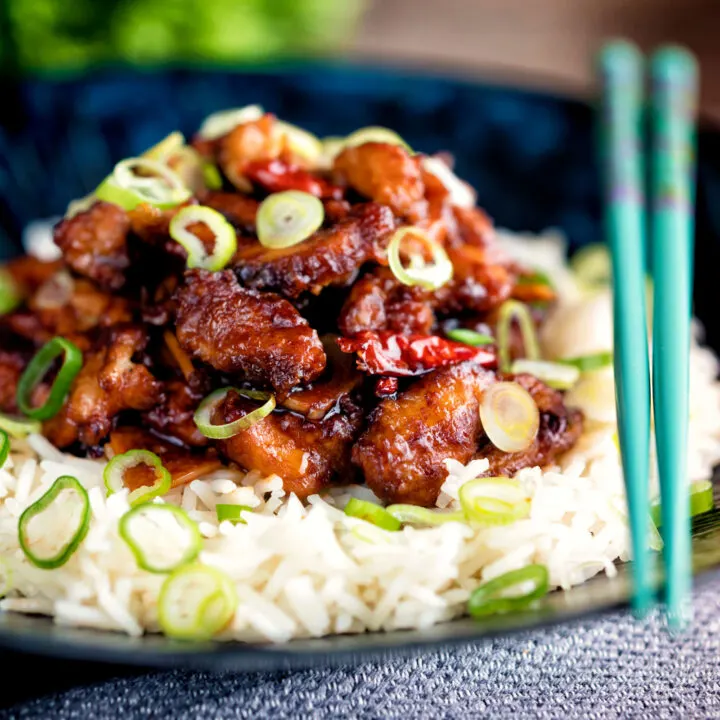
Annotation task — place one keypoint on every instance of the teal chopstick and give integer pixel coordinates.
(674, 92)
(621, 71)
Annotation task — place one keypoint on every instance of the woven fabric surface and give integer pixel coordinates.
(611, 667)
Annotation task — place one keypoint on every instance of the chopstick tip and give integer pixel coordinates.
(620, 56)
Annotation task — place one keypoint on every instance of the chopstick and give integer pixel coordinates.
(674, 92)
(673, 102)
(621, 66)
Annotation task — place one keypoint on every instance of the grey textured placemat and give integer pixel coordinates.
(612, 667)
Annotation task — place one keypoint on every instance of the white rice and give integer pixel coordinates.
(309, 571)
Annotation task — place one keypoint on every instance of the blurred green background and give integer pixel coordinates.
(71, 35)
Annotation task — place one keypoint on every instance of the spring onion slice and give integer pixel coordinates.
(287, 218)
(4, 447)
(114, 475)
(461, 194)
(196, 602)
(74, 526)
(10, 296)
(557, 375)
(19, 427)
(222, 122)
(510, 416)
(537, 277)
(211, 176)
(166, 147)
(587, 363)
(470, 337)
(701, 501)
(203, 415)
(301, 142)
(493, 501)
(430, 277)
(490, 598)
(141, 527)
(513, 310)
(591, 266)
(231, 513)
(375, 134)
(36, 371)
(372, 513)
(225, 238)
(415, 515)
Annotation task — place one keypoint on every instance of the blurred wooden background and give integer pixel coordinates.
(542, 42)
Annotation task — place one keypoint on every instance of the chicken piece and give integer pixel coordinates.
(306, 454)
(559, 430)
(183, 465)
(12, 364)
(236, 330)
(29, 273)
(173, 416)
(386, 174)
(108, 383)
(329, 257)
(94, 244)
(239, 210)
(402, 452)
(379, 302)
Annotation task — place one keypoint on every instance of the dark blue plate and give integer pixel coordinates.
(529, 155)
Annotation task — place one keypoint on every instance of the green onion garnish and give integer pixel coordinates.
(372, 513)
(114, 475)
(162, 150)
(231, 513)
(557, 375)
(141, 526)
(429, 276)
(514, 310)
(537, 277)
(701, 501)
(225, 237)
(509, 416)
(301, 142)
(203, 415)
(211, 176)
(4, 447)
(587, 363)
(19, 427)
(287, 218)
(489, 598)
(74, 525)
(375, 134)
(470, 337)
(591, 266)
(10, 296)
(196, 602)
(222, 122)
(493, 501)
(36, 371)
(415, 515)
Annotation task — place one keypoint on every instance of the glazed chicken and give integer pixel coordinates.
(352, 362)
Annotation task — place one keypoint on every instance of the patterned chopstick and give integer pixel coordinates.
(621, 74)
(674, 78)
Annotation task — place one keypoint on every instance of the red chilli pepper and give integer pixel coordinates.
(277, 176)
(387, 353)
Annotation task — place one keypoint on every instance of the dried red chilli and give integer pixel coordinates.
(387, 353)
(386, 386)
(278, 175)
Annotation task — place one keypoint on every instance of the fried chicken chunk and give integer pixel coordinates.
(93, 243)
(403, 450)
(305, 454)
(241, 331)
(329, 257)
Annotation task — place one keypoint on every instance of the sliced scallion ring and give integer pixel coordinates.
(493, 500)
(301, 142)
(430, 277)
(166, 147)
(211, 176)
(146, 526)
(4, 447)
(19, 427)
(56, 518)
(372, 513)
(10, 296)
(514, 310)
(510, 416)
(701, 501)
(470, 337)
(222, 122)
(36, 371)
(554, 374)
(203, 415)
(587, 363)
(492, 597)
(114, 475)
(225, 237)
(415, 515)
(196, 602)
(287, 218)
(231, 513)
(375, 134)
(461, 194)
(591, 266)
